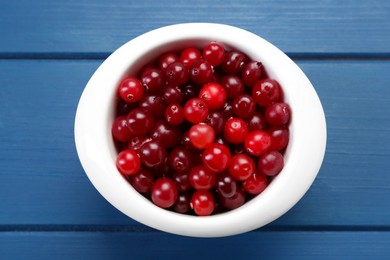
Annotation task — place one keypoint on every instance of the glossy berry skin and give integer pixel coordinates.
(142, 181)
(195, 110)
(202, 202)
(251, 73)
(120, 131)
(180, 159)
(201, 135)
(186, 142)
(164, 192)
(216, 157)
(236, 130)
(241, 167)
(214, 53)
(174, 114)
(153, 79)
(166, 59)
(128, 162)
(137, 142)
(266, 92)
(131, 90)
(154, 104)
(201, 72)
(177, 74)
(271, 163)
(256, 183)
(233, 62)
(189, 91)
(233, 86)
(182, 181)
(279, 138)
(257, 122)
(168, 135)
(278, 114)
(244, 106)
(139, 121)
(216, 120)
(172, 95)
(201, 178)
(213, 95)
(189, 55)
(257, 142)
(227, 110)
(183, 203)
(235, 201)
(152, 154)
(226, 185)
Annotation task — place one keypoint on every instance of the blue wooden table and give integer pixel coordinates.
(48, 51)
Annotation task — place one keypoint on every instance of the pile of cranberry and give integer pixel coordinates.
(201, 131)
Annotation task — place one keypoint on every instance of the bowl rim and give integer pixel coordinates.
(97, 153)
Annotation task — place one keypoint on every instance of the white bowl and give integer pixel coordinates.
(303, 157)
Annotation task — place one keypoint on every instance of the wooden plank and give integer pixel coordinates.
(42, 182)
(157, 245)
(96, 28)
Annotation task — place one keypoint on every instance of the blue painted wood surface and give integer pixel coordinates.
(48, 51)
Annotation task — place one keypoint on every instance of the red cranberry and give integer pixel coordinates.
(252, 72)
(183, 203)
(152, 154)
(177, 74)
(153, 79)
(154, 104)
(214, 53)
(195, 110)
(168, 135)
(174, 114)
(257, 142)
(233, 62)
(201, 178)
(182, 181)
(187, 142)
(128, 162)
(180, 159)
(266, 92)
(256, 183)
(278, 114)
(241, 167)
(131, 89)
(233, 86)
(226, 185)
(166, 59)
(202, 202)
(201, 72)
(244, 106)
(172, 95)
(164, 193)
(279, 138)
(271, 163)
(142, 181)
(216, 120)
(189, 55)
(235, 201)
(257, 122)
(216, 157)
(213, 95)
(189, 92)
(139, 121)
(137, 142)
(236, 130)
(227, 110)
(201, 135)
(119, 129)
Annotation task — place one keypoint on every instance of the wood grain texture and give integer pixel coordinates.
(42, 182)
(157, 245)
(75, 28)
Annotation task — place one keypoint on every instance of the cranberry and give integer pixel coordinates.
(189, 92)
(221, 140)
(226, 185)
(139, 121)
(168, 135)
(214, 53)
(244, 106)
(152, 154)
(123, 107)
(252, 72)
(213, 95)
(233, 86)
(164, 193)
(195, 110)
(278, 114)
(257, 142)
(187, 142)
(137, 142)
(233, 62)
(177, 74)
(183, 203)
(172, 95)
(201, 72)
(180, 159)
(201, 135)
(216, 120)
(131, 89)
(235, 201)
(166, 59)
(174, 114)
(227, 110)
(154, 104)
(128, 162)
(270, 163)
(153, 79)
(201, 178)
(241, 167)
(202, 202)
(182, 181)
(119, 129)
(189, 55)
(216, 157)
(279, 138)
(142, 181)
(256, 183)
(266, 92)
(257, 122)
(236, 130)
